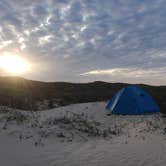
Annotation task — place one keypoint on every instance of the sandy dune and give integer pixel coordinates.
(81, 134)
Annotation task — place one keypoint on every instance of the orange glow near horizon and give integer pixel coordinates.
(14, 64)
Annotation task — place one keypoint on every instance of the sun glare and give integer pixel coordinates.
(13, 64)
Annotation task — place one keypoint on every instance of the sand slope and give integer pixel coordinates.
(81, 134)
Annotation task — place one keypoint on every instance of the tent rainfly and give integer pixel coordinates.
(132, 100)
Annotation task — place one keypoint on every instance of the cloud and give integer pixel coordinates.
(87, 36)
(127, 72)
(45, 39)
(134, 75)
(5, 43)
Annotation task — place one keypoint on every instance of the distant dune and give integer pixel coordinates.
(26, 94)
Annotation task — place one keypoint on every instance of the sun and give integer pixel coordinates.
(14, 64)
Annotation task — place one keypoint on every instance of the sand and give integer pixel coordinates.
(46, 138)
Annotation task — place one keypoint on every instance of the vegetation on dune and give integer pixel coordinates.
(25, 94)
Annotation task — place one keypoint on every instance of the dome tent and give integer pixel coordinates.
(132, 100)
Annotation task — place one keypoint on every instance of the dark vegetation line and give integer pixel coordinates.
(24, 94)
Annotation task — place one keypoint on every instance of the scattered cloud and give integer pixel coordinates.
(128, 72)
(45, 39)
(115, 36)
(5, 43)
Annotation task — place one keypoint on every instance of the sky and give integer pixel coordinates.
(87, 40)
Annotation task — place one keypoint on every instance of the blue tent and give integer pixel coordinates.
(132, 100)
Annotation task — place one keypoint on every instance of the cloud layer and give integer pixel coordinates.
(65, 39)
